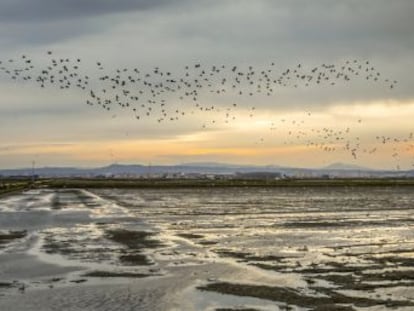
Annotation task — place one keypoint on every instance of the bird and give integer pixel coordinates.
(167, 95)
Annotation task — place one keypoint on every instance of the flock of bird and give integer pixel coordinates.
(167, 96)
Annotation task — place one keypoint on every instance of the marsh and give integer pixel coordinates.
(296, 248)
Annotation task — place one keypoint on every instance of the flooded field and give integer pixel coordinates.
(208, 249)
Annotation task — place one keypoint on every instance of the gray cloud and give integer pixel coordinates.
(236, 29)
(43, 22)
(322, 27)
(47, 10)
(37, 34)
(174, 33)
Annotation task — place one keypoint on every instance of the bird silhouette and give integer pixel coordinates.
(168, 96)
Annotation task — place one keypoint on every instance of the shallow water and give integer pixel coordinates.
(206, 249)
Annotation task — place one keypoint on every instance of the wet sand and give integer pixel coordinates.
(304, 248)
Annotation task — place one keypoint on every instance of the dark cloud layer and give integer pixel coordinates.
(174, 33)
(316, 28)
(41, 10)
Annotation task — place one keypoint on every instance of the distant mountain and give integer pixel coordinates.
(206, 168)
(345, 166)
(219, 164)
(205, 164)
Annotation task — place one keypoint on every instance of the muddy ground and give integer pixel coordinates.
(304, 248)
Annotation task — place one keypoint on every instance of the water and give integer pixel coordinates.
(206, 249)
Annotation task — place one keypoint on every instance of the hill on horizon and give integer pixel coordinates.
(346, 166)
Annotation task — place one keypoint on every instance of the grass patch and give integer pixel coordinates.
(6, 284)
(194, 183)
(237, 255)
(190, 235)
(397, 275)
(11, 186)
(238, 309)
(108, 274)
(7, 237)
(206, 242)
(79, 281)
(293, 297)
(135, 240)
(135, 260)
(248, 256)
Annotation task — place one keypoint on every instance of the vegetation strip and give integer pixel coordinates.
(332, 301)
(200, 183)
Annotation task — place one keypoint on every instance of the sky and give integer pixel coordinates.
(55, 127)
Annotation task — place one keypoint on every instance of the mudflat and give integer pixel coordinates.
(237, 248)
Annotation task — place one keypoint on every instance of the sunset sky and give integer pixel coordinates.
(56, 128)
